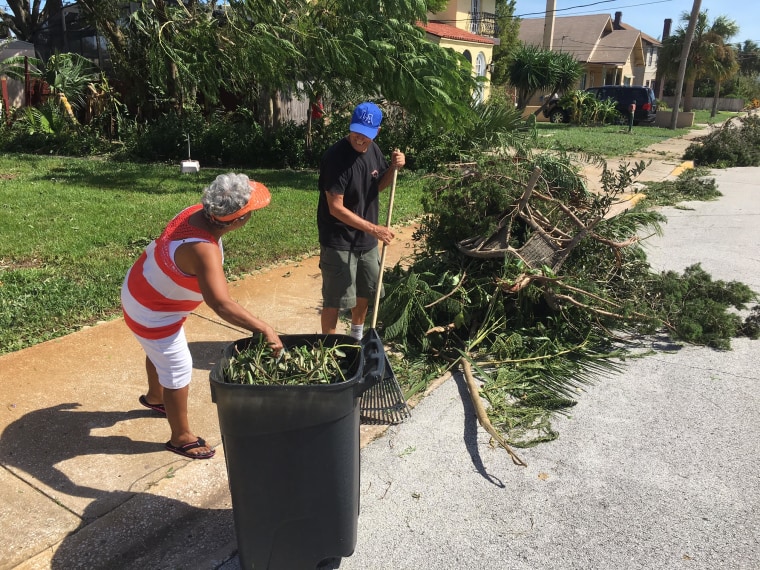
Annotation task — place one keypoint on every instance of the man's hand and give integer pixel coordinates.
(384, 234)
(398, 160)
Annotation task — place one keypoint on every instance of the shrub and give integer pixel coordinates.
(585, 109)
(164, 139)
(284, 148)
(46, 130)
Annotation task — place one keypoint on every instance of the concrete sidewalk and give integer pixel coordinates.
(85, 480)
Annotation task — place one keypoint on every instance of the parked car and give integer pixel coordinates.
(623, 95)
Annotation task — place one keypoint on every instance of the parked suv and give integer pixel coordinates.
(646, 103)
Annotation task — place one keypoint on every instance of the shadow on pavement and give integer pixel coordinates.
(169, 532)
(38, 441)
(470, 435)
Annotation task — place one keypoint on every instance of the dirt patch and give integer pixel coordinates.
(14, 264)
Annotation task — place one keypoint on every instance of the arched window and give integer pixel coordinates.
(480, 65)
(480, 71)
(467, 55)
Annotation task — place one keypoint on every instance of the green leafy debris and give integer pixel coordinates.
(538, 335)
(315, 363)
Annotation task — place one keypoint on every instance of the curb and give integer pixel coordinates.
(685, 165)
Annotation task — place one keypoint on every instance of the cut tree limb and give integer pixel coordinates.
(481, 414)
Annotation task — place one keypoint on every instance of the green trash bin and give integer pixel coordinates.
(292, 456)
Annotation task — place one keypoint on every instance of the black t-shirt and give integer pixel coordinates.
(356, 176)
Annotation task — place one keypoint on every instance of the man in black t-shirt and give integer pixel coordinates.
(352, 173)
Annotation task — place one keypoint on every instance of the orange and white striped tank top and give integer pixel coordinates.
(156, 296)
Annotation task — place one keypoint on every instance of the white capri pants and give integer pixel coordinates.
(172, 359)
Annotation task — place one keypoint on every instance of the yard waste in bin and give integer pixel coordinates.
(292, 454)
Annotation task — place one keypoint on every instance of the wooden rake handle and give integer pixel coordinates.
(382, 254)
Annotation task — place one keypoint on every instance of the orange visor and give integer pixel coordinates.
(260, 197)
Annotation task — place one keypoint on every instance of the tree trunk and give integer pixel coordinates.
(716, 95)
(172, 86)
(265, 110)
(523, 97)
(276, 110)
(308, 143)
(683, 61)
(688, 95)
(173, 89)
(27, 21)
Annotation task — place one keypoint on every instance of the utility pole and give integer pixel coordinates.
(684, 60)
(551, 10)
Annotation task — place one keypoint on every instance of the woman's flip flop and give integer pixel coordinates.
(184, 450)
(155, 407)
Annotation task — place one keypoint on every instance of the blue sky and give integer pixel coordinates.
(649, 15)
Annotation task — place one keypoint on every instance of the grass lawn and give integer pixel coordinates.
(614, 140)
(70, 228)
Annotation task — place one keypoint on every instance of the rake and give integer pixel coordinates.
(384, 402)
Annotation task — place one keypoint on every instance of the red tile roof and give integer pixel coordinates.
(453, 33)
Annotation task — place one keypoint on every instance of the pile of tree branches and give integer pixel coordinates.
(734, 143)
(537, 332)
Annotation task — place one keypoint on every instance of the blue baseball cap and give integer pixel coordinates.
(366, 120)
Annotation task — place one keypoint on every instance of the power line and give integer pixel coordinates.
(542, 13)
(588, 5)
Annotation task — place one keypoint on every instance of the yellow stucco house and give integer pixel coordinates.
(612, 52)
(467, 27)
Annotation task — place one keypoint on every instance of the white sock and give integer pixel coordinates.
(357, 331)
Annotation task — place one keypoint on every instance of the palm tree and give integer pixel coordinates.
(748, 55)
(724, 66)
(707, 47)
(535, 69)
(69, 76)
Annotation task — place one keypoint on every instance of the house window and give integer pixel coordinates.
(480, 65)
(475, 17)
(651, 56)
(467, 55)
(480, 71)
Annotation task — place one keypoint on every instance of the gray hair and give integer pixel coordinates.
(226, 195)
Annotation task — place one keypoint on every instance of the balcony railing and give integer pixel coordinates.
(484, 24)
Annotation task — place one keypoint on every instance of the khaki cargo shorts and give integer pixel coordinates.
(347, 275)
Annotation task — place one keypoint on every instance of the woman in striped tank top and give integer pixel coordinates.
(177, 272)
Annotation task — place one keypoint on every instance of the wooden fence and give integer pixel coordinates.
(705, 103)
(293, 108)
